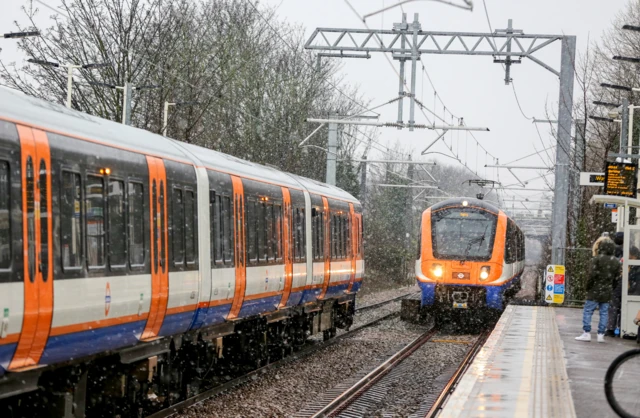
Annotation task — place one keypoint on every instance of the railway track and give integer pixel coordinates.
(304, 352)
(450, 386)
(384, 302)
(363, 394)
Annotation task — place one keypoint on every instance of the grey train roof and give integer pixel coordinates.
(457, 201)
(51, 116)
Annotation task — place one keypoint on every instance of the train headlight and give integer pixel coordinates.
(437, 270)
(484, 272)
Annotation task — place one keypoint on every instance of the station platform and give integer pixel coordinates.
(531, 366)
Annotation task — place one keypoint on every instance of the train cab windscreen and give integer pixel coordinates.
(463, 234)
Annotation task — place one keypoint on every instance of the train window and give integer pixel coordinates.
(347, 236)
(463, 234)
(277, 244)
(303, 229)
(361, 241)
(218, 226)
(521, 253)
(136, 224)
(70, 220)
(5, 216)
(252, 231)
(317, 234)
(299, 231)
(117, 230)
(260, 235)
(271, 239)
(31, 227)
(44, 221)
(94, 207)
(315, 215)
(321, 229)
(510, 243)
(191, 234)
(341, 232)
(215, 209)
(177, 224)
(227, 220)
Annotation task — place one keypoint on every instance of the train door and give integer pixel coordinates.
(287, 245)
(353, 231)
(240, 246)
(327, 247)
(37, 250)
(158, 248)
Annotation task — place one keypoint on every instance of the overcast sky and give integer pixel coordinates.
(472, 87)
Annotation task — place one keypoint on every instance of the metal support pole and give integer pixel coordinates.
(507, 65)
(126, 104)
(401, 83)
(561, 192)
(69, 84)
(630, 132)
(576, 190)
(625, 124)
(332, 147)
(414, 61)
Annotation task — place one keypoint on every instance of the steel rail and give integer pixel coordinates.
(457, 375)
(354, 392)
(384, 302)
(305, 352)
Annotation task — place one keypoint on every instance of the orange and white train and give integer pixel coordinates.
(123, 250)
(470, 256)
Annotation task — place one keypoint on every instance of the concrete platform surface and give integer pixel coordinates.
(531, 366)
(587, 363)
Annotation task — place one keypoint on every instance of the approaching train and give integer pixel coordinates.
(135, 268)
(470, 256)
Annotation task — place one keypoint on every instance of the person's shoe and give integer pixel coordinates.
(584, 337)
(609, 333)
(600, 338)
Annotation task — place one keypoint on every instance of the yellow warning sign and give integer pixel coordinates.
(558, 298)
(549, 297)
(550, 269)
(559, 269)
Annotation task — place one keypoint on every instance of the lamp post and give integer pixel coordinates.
(619, 87)
(70, 68)
(126, 100)
(166, 113)
(17, 35)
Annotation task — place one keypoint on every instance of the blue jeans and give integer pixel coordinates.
(589, 307)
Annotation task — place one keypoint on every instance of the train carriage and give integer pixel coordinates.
(123, 248)
(470, 256)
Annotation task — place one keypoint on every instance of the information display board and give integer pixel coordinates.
(621, 179)
(554, 284)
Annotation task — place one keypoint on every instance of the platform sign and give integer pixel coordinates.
(621, 179)
(610, 206)
(591, 179)
(554, 284)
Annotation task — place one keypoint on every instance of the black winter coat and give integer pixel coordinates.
(605, 269)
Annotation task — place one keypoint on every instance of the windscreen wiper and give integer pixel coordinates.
(478, 241)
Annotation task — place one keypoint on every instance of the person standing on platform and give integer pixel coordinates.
(605, 268)
(616, 298)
